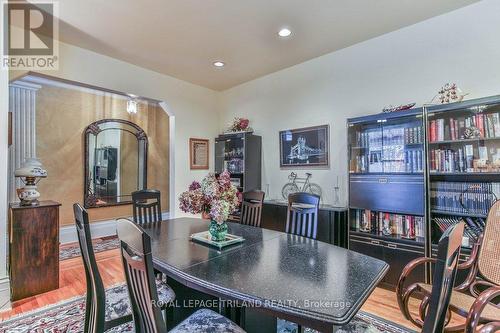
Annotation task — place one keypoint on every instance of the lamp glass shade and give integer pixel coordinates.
(32, 167)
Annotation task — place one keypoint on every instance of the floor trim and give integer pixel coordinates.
(67, 234)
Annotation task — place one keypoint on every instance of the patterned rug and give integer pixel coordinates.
(100, 244)
(68, 317)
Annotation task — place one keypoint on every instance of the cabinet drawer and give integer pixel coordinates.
(388, 193)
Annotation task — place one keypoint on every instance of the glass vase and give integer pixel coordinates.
(218, 231)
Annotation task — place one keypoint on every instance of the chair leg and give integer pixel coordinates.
(300, 329)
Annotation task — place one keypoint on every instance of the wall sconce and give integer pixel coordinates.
(132, 106)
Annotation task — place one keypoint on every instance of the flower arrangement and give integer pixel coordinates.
(214, 196)
(239, 125)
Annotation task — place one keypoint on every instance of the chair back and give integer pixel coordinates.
(138, 264)
(251, 208)
(444, 278)
(147, 206)
(302, 216)
(488, 263)
(95, 308)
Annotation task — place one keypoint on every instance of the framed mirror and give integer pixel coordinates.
(115, 161)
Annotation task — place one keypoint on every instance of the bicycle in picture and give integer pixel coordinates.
(295, 181)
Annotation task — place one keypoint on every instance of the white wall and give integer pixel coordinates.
(192, 105)
(408, 65)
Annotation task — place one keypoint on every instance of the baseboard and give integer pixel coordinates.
(99, 229)
(5, 294)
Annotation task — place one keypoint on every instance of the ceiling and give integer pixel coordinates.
(182, 38)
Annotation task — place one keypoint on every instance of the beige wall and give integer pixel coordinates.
(61, 117)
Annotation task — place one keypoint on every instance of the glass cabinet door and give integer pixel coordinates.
(465, 140)
(365, 145)
(230, 155)
(393, 145)
(403, 143)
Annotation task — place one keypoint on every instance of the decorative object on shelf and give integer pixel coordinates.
(198, 154)
(305, 147)
(30, 173)
(307, 186)
(215, 197)
(402, 107)
(239, 125)
(472, 132)
(449, 93)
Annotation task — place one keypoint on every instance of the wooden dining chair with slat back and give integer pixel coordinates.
(147, 206)
(251, 208)
(137, 259)
(99, 314)
(302, 216)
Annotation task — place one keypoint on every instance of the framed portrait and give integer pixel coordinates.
(198, 154)
(305, 147)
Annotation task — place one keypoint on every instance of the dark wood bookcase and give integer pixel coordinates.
(455, 175)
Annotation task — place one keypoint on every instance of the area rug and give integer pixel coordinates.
(99, 244)
(68, 317)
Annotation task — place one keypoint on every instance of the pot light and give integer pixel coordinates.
(285, 32)
(219, 64)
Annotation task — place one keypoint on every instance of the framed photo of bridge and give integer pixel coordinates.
(305, 147)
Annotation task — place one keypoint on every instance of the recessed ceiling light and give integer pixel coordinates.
(219, 64)
(285, 32)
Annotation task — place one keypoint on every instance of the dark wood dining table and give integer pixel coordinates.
(308, 282)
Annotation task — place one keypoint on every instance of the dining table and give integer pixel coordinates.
(302, 280)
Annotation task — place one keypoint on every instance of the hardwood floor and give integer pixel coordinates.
(72, 284)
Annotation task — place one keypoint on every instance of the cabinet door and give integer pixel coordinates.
(398, 256)
(368, 246)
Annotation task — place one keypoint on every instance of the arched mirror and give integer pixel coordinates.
(115, 162)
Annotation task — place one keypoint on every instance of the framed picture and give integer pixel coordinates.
(305, 147)
(198, 154)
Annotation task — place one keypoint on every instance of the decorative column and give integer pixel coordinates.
(22, 104)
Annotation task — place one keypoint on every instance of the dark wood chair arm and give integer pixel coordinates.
(490, 327)
(473, 256)
(471, 265)
(478, 282)
(477, 308)
(403, 294)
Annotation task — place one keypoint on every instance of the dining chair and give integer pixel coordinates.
(483, 273)
(251, 208)
(100, 314)
(147, 206)
(135, 246)
(434, 309)
(302, 216)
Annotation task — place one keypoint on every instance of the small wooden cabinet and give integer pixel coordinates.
(33, 249)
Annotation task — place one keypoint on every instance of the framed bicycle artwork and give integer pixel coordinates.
(305, 147)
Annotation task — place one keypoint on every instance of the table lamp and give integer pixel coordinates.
(30, 174)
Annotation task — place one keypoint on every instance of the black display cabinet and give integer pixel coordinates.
(387, 205)
(463, 153)
(241, 155)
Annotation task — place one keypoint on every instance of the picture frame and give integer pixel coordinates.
(199, 154)
(305, 147)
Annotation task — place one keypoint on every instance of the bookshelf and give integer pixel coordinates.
(463, 154)
(387, 189)
(459, 179)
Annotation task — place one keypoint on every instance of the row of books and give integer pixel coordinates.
(488, 126)
(473, 227)
(463, 197)
(390, 136)
(408, 226)
(452, 160)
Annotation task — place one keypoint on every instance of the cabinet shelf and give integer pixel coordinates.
(462, 141)
(392, 238)
(445, 212)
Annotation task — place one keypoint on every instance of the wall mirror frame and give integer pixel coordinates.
(114, 166)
